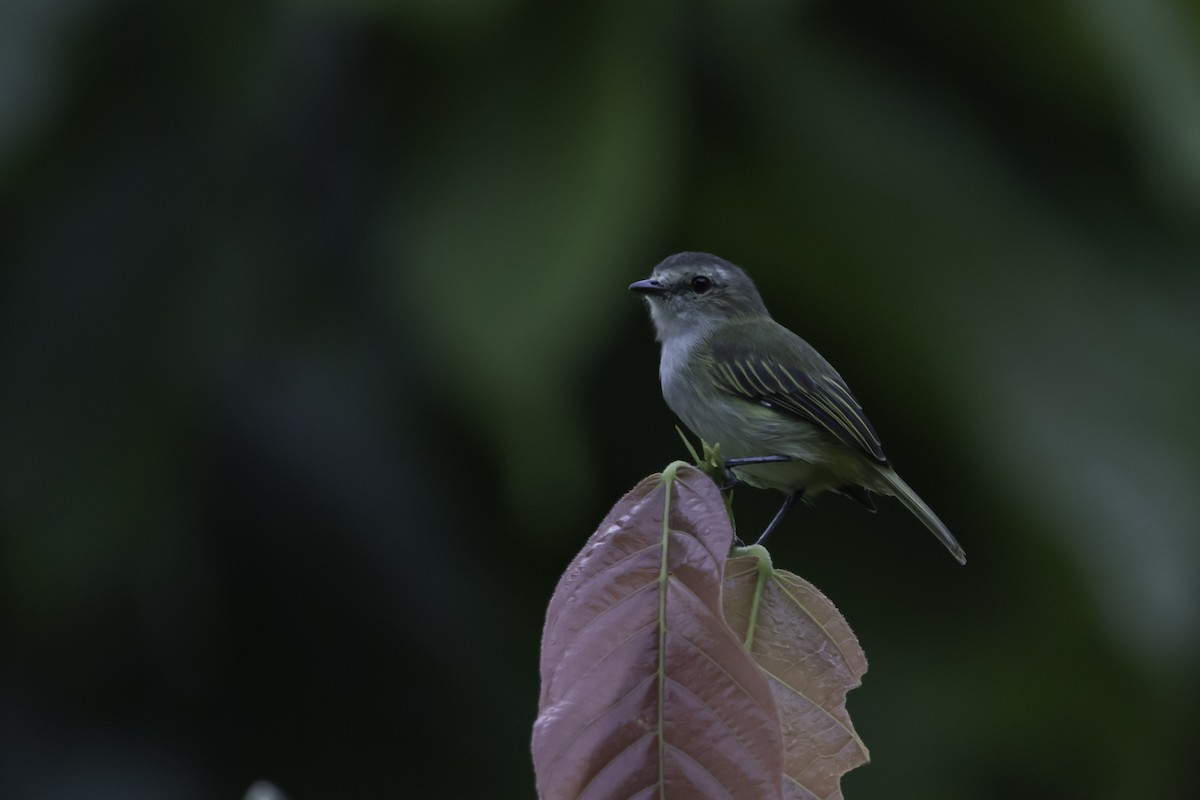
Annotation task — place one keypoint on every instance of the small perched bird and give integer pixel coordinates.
(782, 415)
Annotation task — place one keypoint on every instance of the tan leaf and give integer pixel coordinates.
(813, 659)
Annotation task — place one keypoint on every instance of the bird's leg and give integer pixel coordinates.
(787, 503)
(732, 481)
(745, 462)
(730, 463)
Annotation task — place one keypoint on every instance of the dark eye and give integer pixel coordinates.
(701, 284)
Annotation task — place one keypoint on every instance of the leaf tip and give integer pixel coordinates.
(671, 472)
(760, 554)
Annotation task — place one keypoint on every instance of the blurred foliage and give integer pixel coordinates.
(315, 353)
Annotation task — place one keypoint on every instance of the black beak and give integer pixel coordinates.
(648, 286)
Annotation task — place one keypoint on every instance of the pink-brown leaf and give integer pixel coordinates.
(646, 693)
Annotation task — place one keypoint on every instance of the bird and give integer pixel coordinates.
(783, 416)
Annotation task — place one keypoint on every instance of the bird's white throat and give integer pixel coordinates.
(677, 353)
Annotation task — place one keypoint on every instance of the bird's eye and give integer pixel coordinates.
(701, 284)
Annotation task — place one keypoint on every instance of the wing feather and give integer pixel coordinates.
(822, 398)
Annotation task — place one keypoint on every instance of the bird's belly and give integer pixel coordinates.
(745, 429)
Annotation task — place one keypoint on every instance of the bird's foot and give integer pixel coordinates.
(731, 479)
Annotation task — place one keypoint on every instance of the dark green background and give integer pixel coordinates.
(317, 366)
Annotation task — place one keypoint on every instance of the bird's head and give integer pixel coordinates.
(689, 293)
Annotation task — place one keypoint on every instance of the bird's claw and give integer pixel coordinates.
(731, 480)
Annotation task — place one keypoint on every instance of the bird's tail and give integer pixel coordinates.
(916, 505)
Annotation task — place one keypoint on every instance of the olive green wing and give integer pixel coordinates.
(810, 391)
